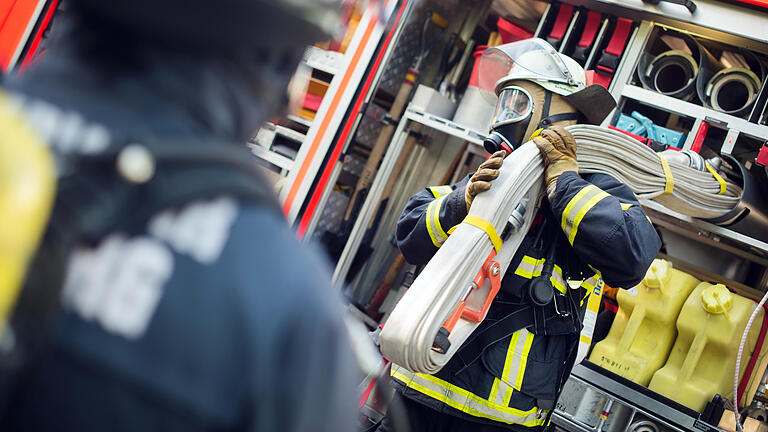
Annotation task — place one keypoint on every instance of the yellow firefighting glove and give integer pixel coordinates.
(558, 147)
(481, 179)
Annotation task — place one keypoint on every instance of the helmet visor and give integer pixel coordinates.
(527, 59)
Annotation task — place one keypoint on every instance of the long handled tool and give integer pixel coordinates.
(431, 32)
(395, 111)
(364, 250)
(394, 269)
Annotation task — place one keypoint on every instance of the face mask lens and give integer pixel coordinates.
(514, 105)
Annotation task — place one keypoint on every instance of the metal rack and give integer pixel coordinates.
(642, 402)
(347, 76)
(677, 106)
(367, 212)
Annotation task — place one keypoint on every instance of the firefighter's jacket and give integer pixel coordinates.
(604, 237)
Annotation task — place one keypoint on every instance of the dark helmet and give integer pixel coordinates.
(212, 24)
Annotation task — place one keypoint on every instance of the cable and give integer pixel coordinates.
(738, 361)
(755, 353)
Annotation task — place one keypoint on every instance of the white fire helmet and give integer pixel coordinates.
(533, 60)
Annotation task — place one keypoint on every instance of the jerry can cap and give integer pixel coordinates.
(658, 274)
(716, 299)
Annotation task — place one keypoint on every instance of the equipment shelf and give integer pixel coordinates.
(732, 241)
(680, 107)
(324, 60)
(279, 160)
(367, 211)
(644, 402)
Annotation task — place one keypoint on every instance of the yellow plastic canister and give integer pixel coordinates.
(703, 358)
(644, 328)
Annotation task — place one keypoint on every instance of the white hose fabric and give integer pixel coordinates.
(409, 334)
(695, 193)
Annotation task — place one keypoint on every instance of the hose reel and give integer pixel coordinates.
(728, 85)
(673, 72)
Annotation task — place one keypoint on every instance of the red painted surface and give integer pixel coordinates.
(760, 3)
(762, 157)
(38, 36)
(15, 16)
(511, 32)
(590, 29)
(564, 15)
(698, 141)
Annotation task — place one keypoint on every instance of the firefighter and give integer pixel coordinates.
(591, 228)
(181, 301)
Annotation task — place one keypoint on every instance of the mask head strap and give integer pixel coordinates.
(547, 119)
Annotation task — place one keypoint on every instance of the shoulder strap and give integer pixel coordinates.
(97, 198)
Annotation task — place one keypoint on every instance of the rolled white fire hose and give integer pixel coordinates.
(693, 193)
(408, 337)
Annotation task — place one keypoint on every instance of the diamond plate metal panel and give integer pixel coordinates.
(368, 131)
(333, 214)
(409, 44)
(353, 165)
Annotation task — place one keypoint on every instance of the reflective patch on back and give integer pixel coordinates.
(65, 131)
(119, 283)
(200, 230)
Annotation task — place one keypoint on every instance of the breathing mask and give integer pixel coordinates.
(536, 87)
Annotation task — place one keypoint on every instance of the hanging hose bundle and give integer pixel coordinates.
(688, 191)
(452, 294)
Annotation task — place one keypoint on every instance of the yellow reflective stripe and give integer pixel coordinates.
(503, 387)
(523, 359)
(504, 390)
(530, 268)
(432, 235)
(465, 401)
(717, 177)
(438, 191)
(625, 206)
(557, 279)
(582, 212)
(527, 267)
(487, 227)
(507, 394)
(494, 396)
(435, 230)
(669, 181)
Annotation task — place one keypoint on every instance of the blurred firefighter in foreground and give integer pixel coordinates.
(168, 293)
(509, 373)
